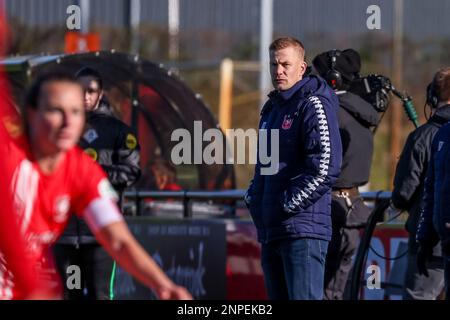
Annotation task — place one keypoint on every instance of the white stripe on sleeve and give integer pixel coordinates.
(101, 212)
(324, 161)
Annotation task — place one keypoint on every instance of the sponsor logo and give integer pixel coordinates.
(13, 127)
(62, 206)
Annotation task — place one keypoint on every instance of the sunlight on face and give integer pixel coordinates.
(286, 67)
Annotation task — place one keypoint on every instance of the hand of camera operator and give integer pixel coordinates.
(382, 99)
(392, 211)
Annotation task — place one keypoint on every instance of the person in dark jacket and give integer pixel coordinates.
(407, 193)
(112, 144)
(357, 119)
(434, 221)
(291, 206)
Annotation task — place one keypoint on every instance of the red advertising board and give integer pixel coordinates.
(81, 42)
(388, 249)
(245, 278)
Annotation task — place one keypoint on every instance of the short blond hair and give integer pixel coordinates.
(282, 43)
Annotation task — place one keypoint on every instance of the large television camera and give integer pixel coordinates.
(375, 89)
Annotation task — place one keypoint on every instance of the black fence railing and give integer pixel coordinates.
(187, 196)
(378, 201)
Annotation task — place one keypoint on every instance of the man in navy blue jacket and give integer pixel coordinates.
(434, 222)
(291, 207)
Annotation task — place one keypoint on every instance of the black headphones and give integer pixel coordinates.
(432, 95)
(333, 77)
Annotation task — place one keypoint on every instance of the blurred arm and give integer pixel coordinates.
(113, 234)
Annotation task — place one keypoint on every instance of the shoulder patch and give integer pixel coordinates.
(91, 153)
(90, 135)
(131, 141)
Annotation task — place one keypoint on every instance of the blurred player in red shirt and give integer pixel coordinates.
(12, 246)
(50, 178)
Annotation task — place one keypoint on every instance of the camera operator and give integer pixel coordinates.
(357, 119)
(408, 189)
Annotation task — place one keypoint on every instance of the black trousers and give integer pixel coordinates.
(343, 245)
(96, 268)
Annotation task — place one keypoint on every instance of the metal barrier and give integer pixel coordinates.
(236, 194)
(379, 199)
(184, 196)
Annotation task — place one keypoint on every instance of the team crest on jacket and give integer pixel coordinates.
(287, 122)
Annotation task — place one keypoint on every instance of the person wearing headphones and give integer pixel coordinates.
(357, 118)
(408, 190)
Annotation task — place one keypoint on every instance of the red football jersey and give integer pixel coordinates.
(43, 204)
(35, 207)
